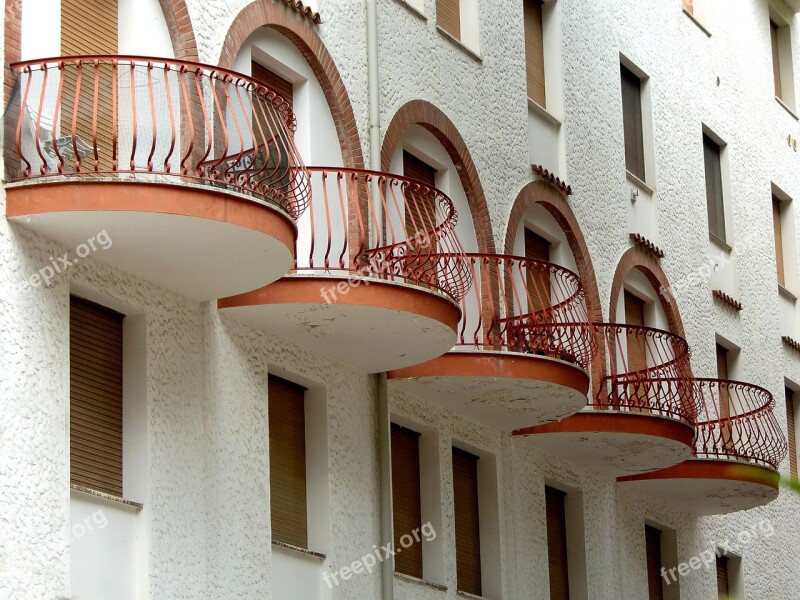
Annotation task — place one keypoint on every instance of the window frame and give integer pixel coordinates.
(782, 59)
(719, 228)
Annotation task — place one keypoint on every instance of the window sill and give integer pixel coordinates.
(718, 242)
(786, 108)
(542, 111)
(109, 497)
(413, 9)
(786, 293)
(468, 595)
(634, 179)
(417, 581)
(299, 550)
(459, 44)
(696, 22)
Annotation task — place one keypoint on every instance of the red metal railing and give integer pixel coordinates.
(116, 115)
(737, 422)
(648, 372)
(524, 305)
(377, 225)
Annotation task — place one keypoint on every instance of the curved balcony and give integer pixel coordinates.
(162, 156)
(737, 449)
(642, 413)
(378, 275)
(524, 346)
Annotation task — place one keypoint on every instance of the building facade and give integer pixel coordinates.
(506, 288)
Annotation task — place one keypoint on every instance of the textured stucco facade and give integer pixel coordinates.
(204, 531)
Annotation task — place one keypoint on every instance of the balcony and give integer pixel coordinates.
(190, 170)
(377, 278)
(524, 346)
(642, 414)
(737, 449)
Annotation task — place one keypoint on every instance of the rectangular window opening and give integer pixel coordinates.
(632, 122)
(467, 518)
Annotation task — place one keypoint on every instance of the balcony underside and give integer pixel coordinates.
(201, 243)
(372, 326)
(499, 389)
(708, 487)
(614, 443)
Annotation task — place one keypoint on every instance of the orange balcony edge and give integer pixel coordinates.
(712, 469)
(499, 365)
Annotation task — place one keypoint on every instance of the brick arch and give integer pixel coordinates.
(425, 114)
(647, 265)
(301, 32)
(550, 198)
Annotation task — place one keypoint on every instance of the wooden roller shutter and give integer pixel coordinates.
(89, 27)
(776, 60)
(632, 122)
(287, 473)
(722, 577)
(95, 390)
(557, 543)
(407, 507)
(724, 407)
(448, 16)
(637, 343)
(714, 199)
(538, 248)
(654, 564)
(776, 228)
(273, 81)
(534, 51)
(421, 214)
(790, 431)
(688, 6)
(467, 516)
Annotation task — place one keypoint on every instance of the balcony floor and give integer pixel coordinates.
(500, 389)
(708, 487)
(373, 327)
(201, 243)
(613, 443)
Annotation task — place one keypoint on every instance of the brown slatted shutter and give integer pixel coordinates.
(95, 391)
(89, 27)
(776, 228)
(637, 343)
(632, 122)
(287, 473)
(448, 16)
(557, 543)
(468, 541)
(421, 216)
(776, 60)
(688, 6)
(714, 198)
(722, 578)
(724, 395)
(538, 248)
(654, 564)
(406, 499)
(534, 51)
(273, 81)
(790, 431)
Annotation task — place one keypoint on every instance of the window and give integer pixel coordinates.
(632, 122)
(777, 213)
(557, 558)
(791, 431)
(537, 248)
(448, 16)
(421, 215)
(273, 81)
(782, 71)
(95, 416)
(722, 577)
(714, 196)
(724, 408)
(467, 520)
(287, 473)
(655, 587)
(637, 344)
(534, 51)
(406, 498)
(459, 18)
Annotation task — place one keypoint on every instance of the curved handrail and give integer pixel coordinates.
(370, 224)
(523, 305)
(737, 422)
(113, 115)
(648, 372)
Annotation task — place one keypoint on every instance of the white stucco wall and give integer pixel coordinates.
(206, 516)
